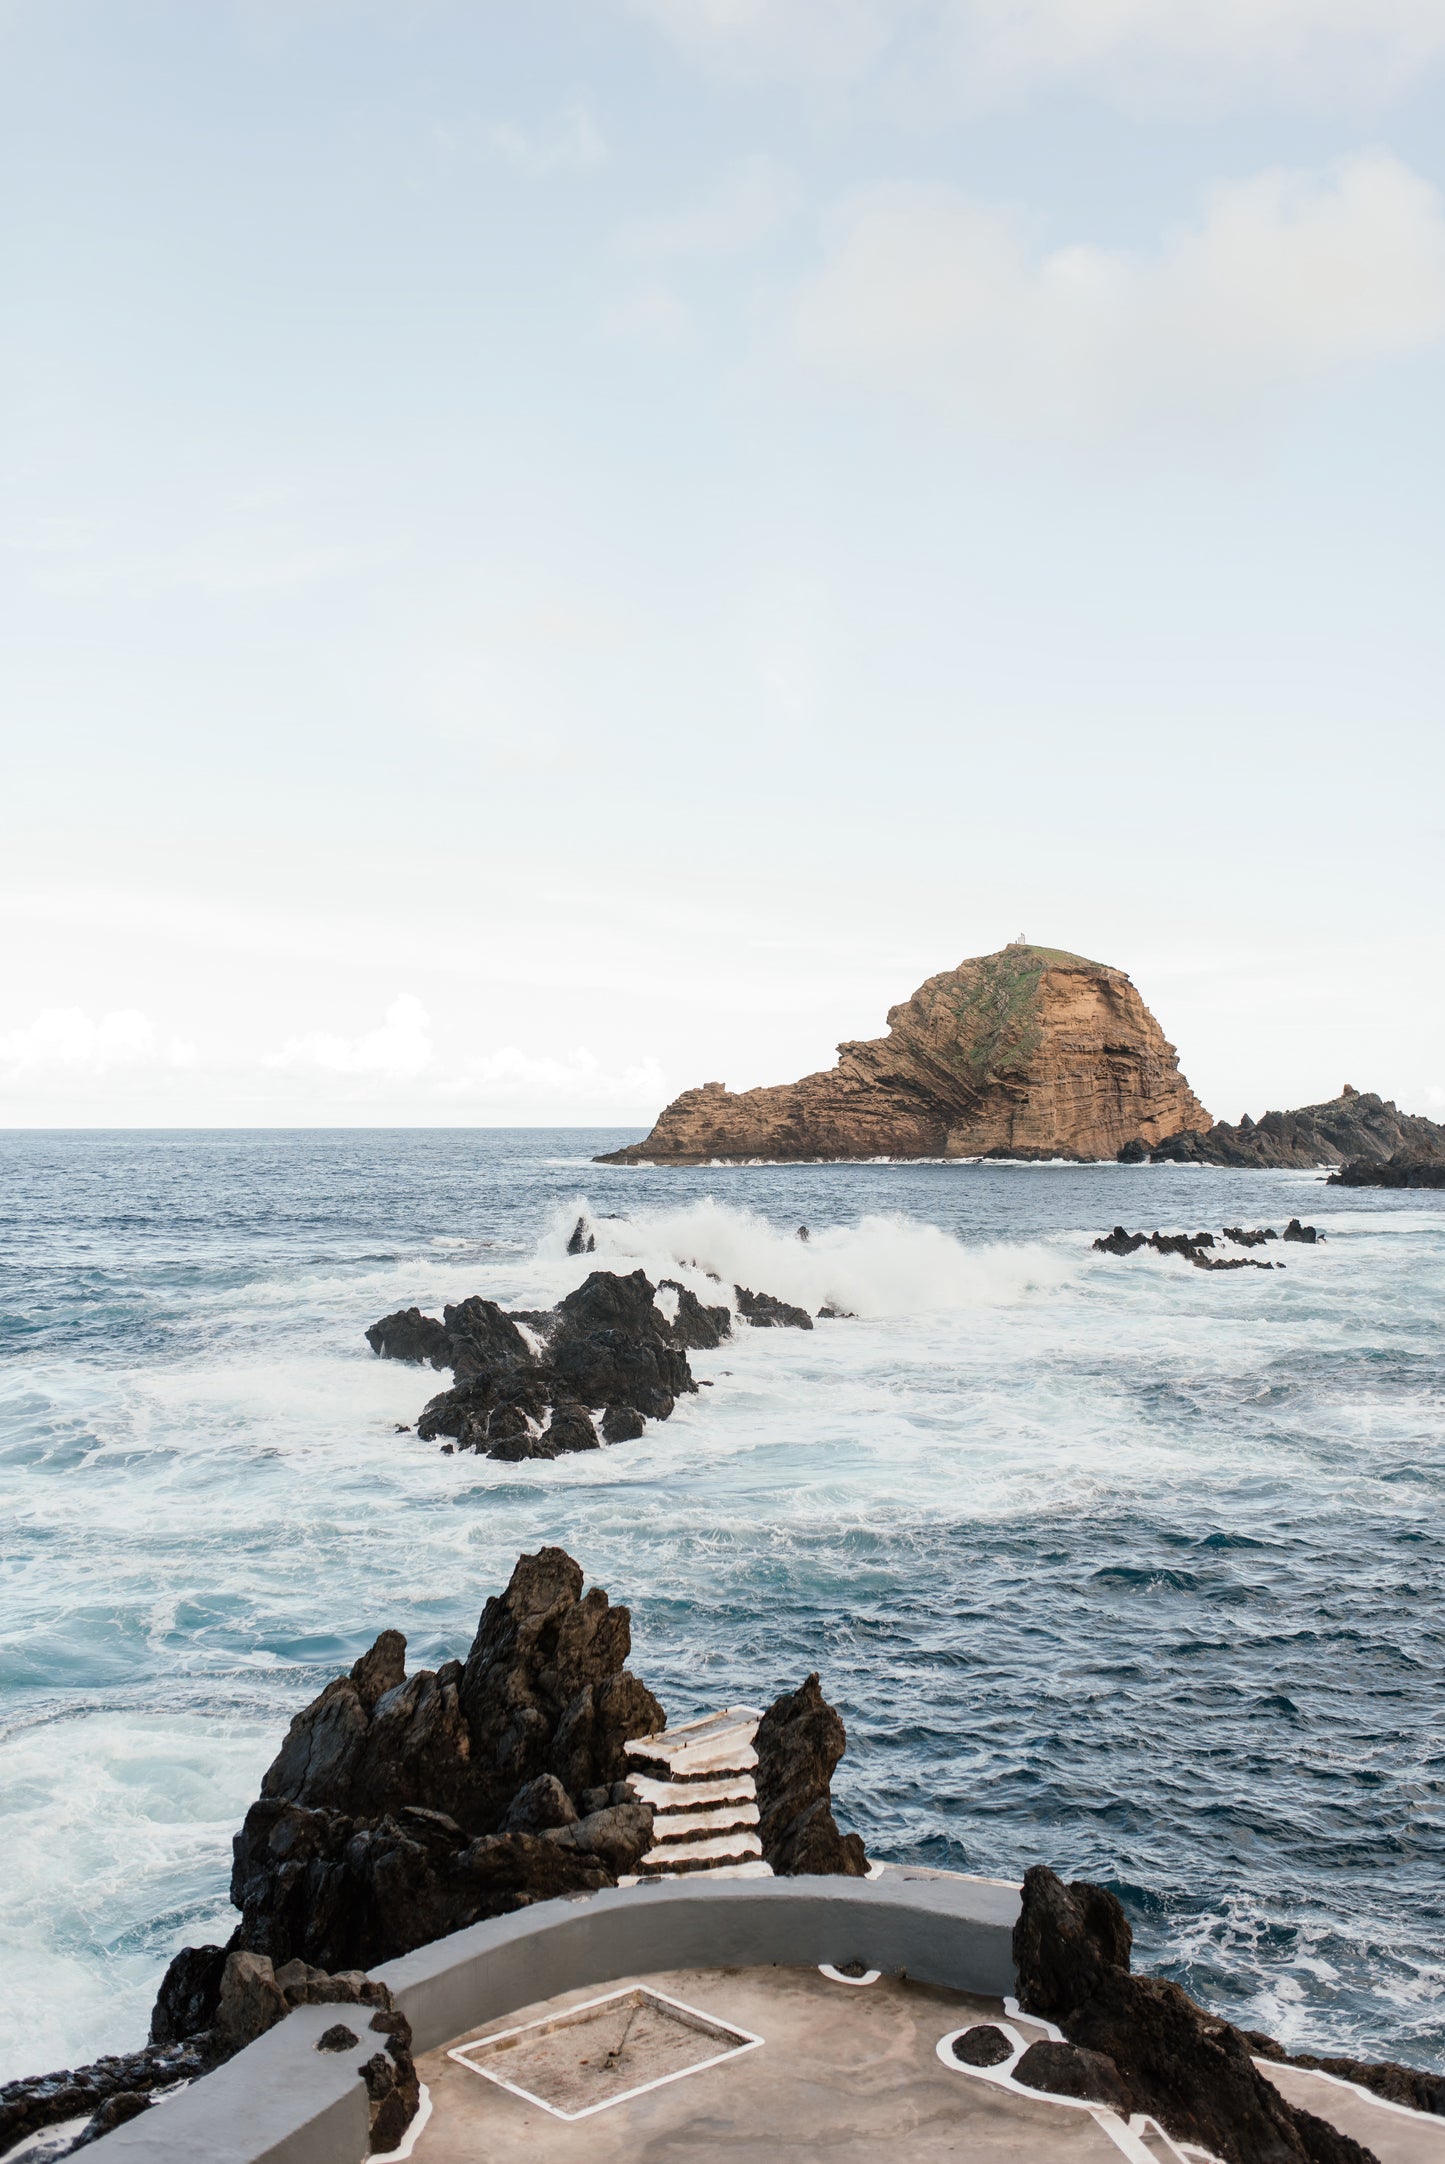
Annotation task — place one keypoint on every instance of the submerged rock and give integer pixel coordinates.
(799, 1742)
(1192, 2071)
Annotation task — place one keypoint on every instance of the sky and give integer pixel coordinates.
(555, 553)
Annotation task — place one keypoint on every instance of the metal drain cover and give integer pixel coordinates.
(579, 2062)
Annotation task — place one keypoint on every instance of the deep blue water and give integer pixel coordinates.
(1118, 1565)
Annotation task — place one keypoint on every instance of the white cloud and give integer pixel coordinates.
(1195, 48)
(516, 1077)
(399, 1050)
(743, 210)
(1288, 275)
(66, 1041)
(570, 142)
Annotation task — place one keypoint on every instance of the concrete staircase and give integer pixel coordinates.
(699, 1780)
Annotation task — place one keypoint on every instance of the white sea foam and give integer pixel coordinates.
(221, 1514)
(881, 1266)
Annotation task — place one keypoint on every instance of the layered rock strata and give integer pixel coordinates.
(1355, 1127)
(1030, 1052)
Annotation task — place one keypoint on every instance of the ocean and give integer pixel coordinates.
(1117, 1565)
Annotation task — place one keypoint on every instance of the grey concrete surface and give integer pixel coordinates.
(1396, 2137)
(850, 2074)
(280, 2101)
(954, 1932)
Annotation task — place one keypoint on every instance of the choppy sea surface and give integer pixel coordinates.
(1115, 1564)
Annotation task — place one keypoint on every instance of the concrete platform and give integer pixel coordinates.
(1395, 2135)
(844, 2073)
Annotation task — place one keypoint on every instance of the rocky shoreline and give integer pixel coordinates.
(1357, 1129)
(403, 1807)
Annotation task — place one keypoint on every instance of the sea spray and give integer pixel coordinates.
(1107, 1562)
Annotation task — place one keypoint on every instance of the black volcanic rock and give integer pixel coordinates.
(622, 1424)
(1070, 2070)
(1192, 1246)
(484, 1339)
(1356, 1126)
(765, 1312)
(694, 1327)
(606, 1348)
(250, 1995)
(384, 1819)
(982, 2045)
(1303, 1235)
(1404, 1168)
(189, 1995)
(610, 1346)
(1192, 2071)
(799, 1742)
(410, 1335)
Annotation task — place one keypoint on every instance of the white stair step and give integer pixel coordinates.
(715, 1848)
(693, 1795)
(732, 1753)
(673, 1826)
(722, 1743)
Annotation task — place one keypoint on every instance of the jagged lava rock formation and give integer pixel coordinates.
(1031, 1052)
(1357, 1127)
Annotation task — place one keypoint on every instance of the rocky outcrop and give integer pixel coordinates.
(1193, 2072)
(1194, 1246)
(1356, 1126)
(766, 1312)
(217, 2003)
(1404, 1168)
(1031, 1052)
(799, 1742)
(536, 1385)
(387, 1817)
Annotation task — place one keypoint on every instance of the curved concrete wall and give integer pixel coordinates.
(282, 2102)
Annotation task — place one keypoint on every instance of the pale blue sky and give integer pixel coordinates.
(621, 537)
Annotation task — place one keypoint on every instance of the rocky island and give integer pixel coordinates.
(1357, 1129)
(1031, 1052)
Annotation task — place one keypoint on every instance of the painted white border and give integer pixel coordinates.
(869, 1976)
(1126, 2135)
(746, 2042)
(409, 2139)
(1356, 2088)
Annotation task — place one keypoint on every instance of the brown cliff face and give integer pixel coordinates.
(1028, 1053)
